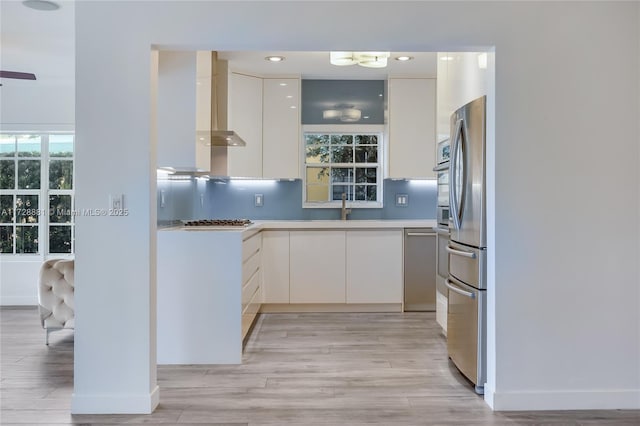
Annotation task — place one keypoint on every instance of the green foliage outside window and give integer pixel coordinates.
(26, 239)
(342, 164)
(60, 174)
(25, 188)
(6, 239)
(59, 239)
(29, 174)
(7, 174)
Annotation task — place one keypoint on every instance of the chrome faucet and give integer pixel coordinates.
(345, 211)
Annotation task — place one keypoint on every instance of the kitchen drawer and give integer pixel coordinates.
(251, 265)
(249, 314)
(249, 289)
(251, 246)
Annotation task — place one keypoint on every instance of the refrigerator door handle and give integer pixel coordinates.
(470, 255)
(441, 168)
(442, 231)
(450, 285)
(455, 206)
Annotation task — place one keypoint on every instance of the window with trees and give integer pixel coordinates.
(36, 193)
(343, 163)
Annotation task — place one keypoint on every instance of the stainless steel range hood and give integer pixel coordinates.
(220, 134)
(183, 75)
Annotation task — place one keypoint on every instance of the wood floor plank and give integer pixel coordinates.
(323, 369)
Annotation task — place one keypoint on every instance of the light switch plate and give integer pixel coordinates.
(258, 200)
(116, 201)
(402, 200)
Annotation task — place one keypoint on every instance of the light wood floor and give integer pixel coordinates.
(311, 369)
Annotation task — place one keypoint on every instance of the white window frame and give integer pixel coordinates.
(43, 196)
(341, 129)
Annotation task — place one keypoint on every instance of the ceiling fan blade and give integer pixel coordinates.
(18, 75)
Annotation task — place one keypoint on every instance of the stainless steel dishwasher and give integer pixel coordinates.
(419, 269)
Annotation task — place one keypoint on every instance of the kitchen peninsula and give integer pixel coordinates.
(212, 282)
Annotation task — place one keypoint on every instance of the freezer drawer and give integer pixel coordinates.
(468, 264)
(466, 331)
(419, 269)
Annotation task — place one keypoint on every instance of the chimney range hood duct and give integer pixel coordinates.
(220, 135)
(208, 77)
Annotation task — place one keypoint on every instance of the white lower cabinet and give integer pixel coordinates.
(251, 280)
(374, 266)
(275, 266)
(317, 266)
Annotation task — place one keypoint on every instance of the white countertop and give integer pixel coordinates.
(344, 224)
(260, 225)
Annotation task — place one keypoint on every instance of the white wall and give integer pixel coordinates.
(565, 323)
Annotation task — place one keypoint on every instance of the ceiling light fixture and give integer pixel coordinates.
(403, 58)
(446, 58)
(330, 114)
(344, 113)
(274, 58)
(364, 59)
(41, 5)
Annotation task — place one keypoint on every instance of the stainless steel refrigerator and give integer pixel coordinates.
(467, 282)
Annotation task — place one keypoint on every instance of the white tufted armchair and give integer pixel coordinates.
(55, 296)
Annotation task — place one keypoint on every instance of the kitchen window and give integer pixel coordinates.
(36, 193)
(339, 163)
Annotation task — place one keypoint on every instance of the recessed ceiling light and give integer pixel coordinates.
(403, 58)
(283, 84)
(41, 5)
(293, 107)
(446, 58)
(365, 117)
(289, 96)
(274, 58)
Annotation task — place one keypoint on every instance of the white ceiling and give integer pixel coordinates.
(43, 43)
(40, 42)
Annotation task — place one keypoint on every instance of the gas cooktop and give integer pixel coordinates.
(237, 223)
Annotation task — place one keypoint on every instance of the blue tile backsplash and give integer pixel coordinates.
(282, 200)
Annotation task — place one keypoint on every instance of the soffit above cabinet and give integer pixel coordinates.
(315, 65)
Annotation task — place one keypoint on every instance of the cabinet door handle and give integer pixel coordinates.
(420, 234)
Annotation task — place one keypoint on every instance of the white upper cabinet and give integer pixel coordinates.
(281, 128)
(176, 102)
(462, 77)
(412, 127)
(245, 118)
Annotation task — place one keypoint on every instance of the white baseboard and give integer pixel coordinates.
(18, 301)
(489, 394)
(279, 308)
(564, 400)
(115, 404)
